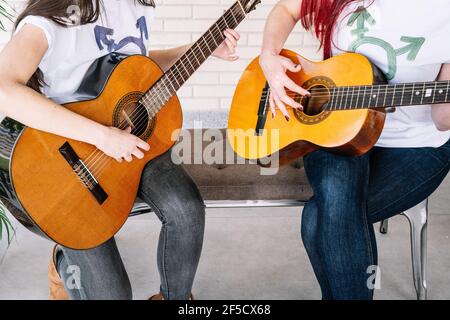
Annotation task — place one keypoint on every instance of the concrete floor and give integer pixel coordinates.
(248, 254)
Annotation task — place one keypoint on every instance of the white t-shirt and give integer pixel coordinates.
(123, 27)
(408, 40)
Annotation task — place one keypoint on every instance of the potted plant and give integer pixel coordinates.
(6, 227)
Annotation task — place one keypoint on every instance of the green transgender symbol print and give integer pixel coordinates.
(362, 17)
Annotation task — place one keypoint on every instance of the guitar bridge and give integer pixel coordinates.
(262, 111)
(83, 172)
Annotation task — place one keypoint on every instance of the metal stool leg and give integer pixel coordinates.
(384, 226)
(418, 220)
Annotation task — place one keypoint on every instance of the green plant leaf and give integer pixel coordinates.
(3, 222)
(6, 225)
(5, 12)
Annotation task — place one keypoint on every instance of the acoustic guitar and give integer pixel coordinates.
(345, 113)
(72, 193)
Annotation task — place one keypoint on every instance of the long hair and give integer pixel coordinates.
(321, 16)
(59, 12)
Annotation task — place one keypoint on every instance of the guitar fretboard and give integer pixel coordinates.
(183, 69)
(385, 96)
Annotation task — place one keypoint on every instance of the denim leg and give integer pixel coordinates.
(310, 235)
(177, 202)
(401, 178)
(95, 274)
(340, 240)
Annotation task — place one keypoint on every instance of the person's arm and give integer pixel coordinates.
(441, 112)
(166, 58)
(280, 24)
(226, 51)
(18, 61)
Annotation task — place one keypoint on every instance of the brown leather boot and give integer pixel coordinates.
(56, 286)
(160, 296)
(157, 297)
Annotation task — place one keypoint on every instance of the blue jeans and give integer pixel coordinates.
(175, 199)
(350, 195)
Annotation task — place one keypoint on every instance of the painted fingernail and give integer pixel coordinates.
(273, 115)
(287, 118)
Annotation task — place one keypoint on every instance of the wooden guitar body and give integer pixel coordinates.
(42, 190)
(254, 134)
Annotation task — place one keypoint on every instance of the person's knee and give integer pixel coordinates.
(186, 211)
(337, 208)
(337, 179)
(195, 212)
(340, 195)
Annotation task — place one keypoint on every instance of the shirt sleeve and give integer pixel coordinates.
(45, 25)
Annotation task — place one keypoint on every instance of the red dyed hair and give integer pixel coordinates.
(321, 17)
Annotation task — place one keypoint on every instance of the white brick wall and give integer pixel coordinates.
(182, 21)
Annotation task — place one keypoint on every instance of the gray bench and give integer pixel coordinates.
(241, 185)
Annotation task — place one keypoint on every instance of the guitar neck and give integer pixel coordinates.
(188, 64)
(392, 95)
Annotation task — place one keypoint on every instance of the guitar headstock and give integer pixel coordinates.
(249, 5)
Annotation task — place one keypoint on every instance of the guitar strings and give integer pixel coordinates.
(335, 90)
(331, 108)
(207, 37)
(343, 98)
(195, 50)
(185, 69)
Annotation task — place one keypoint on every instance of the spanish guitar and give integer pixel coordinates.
(72, 193)
(345, 112)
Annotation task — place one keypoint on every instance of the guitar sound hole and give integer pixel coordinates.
(135, 116)
(317, 102)
(130, 113)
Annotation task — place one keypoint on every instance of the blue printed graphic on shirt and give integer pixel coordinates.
(105, 37)
(362, 20)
